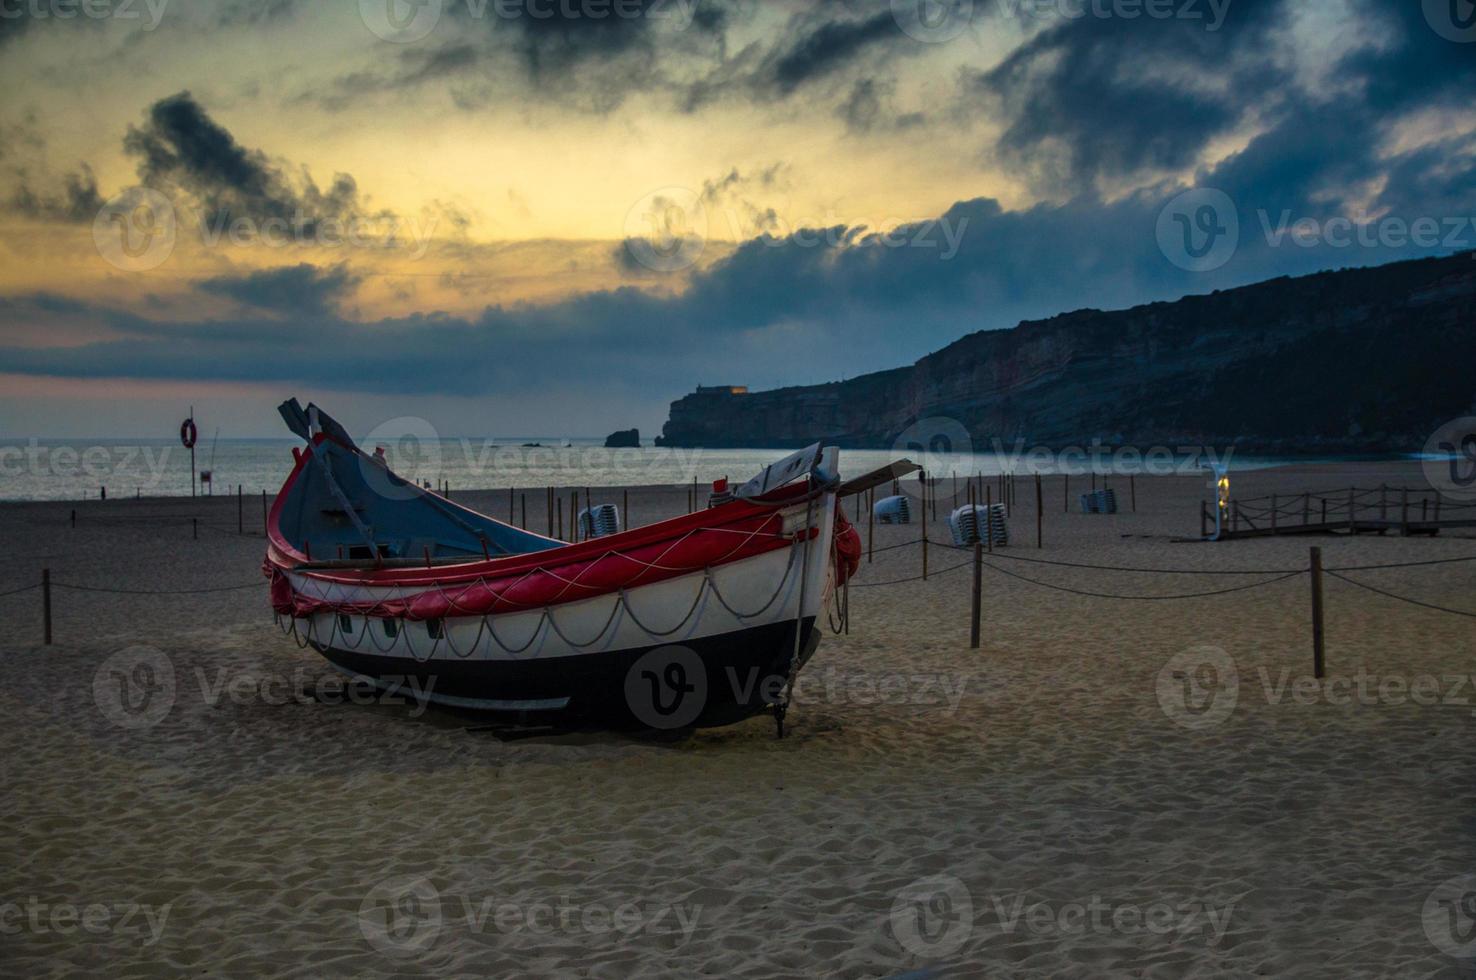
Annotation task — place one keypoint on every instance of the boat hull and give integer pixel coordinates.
(698, 620)
(701, 682)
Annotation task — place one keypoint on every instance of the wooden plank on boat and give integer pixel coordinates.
(888, 473)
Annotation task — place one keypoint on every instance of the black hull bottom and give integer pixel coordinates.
(714, 680)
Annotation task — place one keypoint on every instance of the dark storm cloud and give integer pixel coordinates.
(77, 200)
(300, 290)
(827, 47)
(1108, 96)
(180, 146)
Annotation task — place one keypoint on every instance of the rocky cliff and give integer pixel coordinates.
(1357, 360)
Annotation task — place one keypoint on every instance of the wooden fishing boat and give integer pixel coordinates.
(703, 619)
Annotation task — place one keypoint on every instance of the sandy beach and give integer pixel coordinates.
(1052, 804)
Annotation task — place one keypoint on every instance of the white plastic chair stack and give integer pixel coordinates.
(894, 510)
(1099, 502)
(969, 522)
(599, 521)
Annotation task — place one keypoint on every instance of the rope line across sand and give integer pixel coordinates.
(1391, 595)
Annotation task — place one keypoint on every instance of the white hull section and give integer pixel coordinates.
(740, 595)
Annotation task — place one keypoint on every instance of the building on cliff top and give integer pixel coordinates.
(722, 389)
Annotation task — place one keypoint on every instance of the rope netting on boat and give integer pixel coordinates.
(621, 604)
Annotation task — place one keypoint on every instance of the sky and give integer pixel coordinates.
(555, 217)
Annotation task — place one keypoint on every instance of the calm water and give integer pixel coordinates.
(77, 469)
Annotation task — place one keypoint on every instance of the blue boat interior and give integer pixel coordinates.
(346, 505)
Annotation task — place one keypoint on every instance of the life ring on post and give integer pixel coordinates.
(187, 433)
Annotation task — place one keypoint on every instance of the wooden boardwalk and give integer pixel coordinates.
(1379, 510)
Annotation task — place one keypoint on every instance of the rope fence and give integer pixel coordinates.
(1266, 577)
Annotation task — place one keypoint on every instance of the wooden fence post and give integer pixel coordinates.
(1065, 492)
(989, 517)
(524, 498)
(263, 513)
(975, 609)
(1039, 515)
(1133, 490)
(1318, 662)
(1274, 507)
(511, 500)
(1404, 512)
(46, 605)
(240, 510)
(74, 517)
(870, 520)
(625, 508)
(195, 528)
(925, 541)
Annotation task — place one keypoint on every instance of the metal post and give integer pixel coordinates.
(975, 609)
(1318, 663)
(46, 605)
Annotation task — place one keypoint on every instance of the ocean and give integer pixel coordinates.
(80, 469)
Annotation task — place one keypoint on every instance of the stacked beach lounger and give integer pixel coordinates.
(894, 510)
(971, 522)
(599, 521)
(1099, 502)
